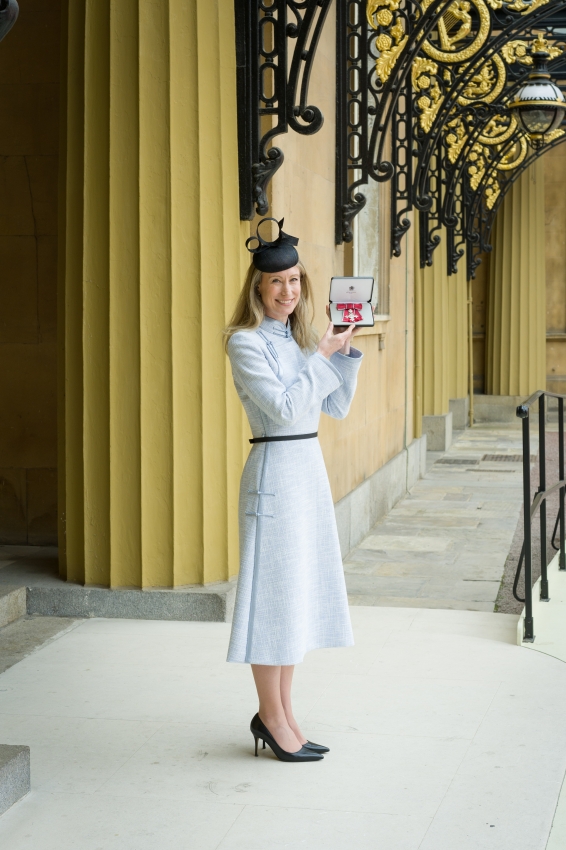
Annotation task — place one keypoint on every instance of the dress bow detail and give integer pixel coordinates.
(351, 312)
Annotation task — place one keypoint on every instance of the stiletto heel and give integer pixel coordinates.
(259, 730)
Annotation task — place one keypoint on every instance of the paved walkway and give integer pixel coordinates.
(443, 735)
(445, 544)
(550, 639)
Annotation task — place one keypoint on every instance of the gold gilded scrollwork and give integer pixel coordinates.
(454, 26)
(487, 84)
(498, 130)
(525, 7)
(513, 158)
(456, 138)
(516, 51)
(481, 155)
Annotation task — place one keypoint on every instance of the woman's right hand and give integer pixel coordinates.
(334, 341)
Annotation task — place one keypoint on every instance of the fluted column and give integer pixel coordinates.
(516, 330)
(152, 432)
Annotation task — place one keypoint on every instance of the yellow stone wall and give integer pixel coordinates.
(151, 435)
(380, 422)
(29, 128)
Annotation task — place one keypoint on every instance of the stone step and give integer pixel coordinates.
(213, 603)
(14, 775)
(12, 604)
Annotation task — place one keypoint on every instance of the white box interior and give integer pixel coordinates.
(351, 290)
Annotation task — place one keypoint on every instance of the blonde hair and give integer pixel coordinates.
(250, 313)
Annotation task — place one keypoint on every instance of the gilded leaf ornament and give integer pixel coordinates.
(389, 52)
(553, 135)
(423, 73)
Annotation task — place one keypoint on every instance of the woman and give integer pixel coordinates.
(291, 593)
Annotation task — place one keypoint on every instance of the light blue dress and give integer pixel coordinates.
(291, 594)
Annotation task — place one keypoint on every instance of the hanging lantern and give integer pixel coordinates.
(539, 104)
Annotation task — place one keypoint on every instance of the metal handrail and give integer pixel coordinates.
(539, 501)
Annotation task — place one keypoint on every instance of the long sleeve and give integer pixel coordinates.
(283, 405)
(337, 404)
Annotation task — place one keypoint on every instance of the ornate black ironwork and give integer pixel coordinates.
(481, 217)
(273, 91)
(433, 78)
(487, 147)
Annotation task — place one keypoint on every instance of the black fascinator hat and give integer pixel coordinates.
(276, 256)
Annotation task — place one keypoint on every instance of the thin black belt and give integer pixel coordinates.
(280, 439)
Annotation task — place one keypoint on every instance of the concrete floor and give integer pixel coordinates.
(445, 544)
(444, 734)
(550, 638)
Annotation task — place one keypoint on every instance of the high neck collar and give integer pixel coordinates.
(277, 328)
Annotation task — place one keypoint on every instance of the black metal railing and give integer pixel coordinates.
(539, 502)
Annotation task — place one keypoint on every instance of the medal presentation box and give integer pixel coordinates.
(350, 301)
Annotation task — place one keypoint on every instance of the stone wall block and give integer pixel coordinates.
(18, 290)
(13, 506)
(41, 485)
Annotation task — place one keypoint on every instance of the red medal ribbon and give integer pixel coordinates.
(351, 312)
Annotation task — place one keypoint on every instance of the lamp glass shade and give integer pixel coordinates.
(539, 120)
(539, 105)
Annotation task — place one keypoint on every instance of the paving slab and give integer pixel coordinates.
(139, 738)
(445, 544)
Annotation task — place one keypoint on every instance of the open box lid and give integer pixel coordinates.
(351, 289)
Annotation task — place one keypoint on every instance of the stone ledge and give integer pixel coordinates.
(497, 408)
(438, 430)
(214, 603)
(14, 775)
(12, 604)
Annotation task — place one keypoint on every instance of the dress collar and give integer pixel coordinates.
(277, 328)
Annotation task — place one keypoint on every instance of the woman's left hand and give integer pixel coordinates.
(340, 329)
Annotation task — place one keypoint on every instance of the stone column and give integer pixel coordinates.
(432, 350)
(151, 265)
(516, 321)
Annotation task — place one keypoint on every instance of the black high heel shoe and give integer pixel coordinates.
(316, 748)
(261, 732)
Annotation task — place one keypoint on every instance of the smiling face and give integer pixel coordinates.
(280, 293)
